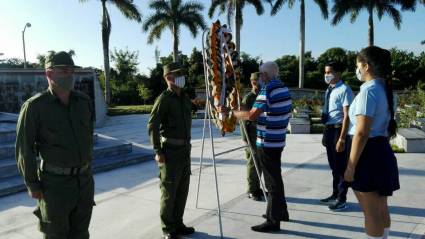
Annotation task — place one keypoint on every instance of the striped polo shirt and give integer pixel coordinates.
(275, 102)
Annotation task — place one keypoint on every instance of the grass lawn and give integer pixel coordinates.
(129, 109)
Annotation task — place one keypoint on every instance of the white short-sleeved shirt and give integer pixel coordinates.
(372, 102)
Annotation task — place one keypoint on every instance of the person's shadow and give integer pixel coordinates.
(204, 235)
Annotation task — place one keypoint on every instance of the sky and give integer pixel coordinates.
(69, 24)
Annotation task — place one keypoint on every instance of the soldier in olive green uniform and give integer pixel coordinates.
(169, 128)
(56, 126)
(254, 189)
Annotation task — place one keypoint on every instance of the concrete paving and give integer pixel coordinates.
(128, 198)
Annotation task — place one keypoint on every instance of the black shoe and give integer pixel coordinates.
(284, 218)
(184, 230)
(170, 236)
(338, 206)
(328, 200)
(266, 227)
(256, 196)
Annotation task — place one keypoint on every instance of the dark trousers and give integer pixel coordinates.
(66, 208)
(337, 162)
(252, 176)
(174, 177)
(270, 163)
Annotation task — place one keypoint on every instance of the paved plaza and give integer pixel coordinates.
(128, 198)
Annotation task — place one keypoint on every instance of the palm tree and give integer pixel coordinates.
(278, 4)
(130, 11)
(235, 7)
(172, 14)
(380, 7)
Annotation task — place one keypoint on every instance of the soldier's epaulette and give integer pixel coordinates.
(162, 95)
(37, 97)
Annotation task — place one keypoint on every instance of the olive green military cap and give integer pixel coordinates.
(59, 59)
(254, 76)
(173, 68)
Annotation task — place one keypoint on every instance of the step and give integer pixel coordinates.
(8, 117)
(14, 184)
(137, 155)
(11, 185)
(102, 148)
(108, 147)
(7, 137)
(8, 168)
(7, 150)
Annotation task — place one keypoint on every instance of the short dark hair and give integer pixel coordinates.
(336, 66)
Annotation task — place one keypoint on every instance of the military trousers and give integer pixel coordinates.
(65, 210)
(252, 176)
(174, 177)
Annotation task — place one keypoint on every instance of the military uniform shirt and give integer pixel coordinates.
(60, 135)
(170, 118)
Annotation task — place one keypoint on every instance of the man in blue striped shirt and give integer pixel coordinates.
(272, 109)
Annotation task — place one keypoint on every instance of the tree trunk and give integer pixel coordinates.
(175, 44)
(230, 13)
(302, 45)
(371, 30)
(237, 26)
(106, 31)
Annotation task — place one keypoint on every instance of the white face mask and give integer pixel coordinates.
(180, 81)
(359, 74)
(329, 78)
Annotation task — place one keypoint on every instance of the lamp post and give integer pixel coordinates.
(23, 43)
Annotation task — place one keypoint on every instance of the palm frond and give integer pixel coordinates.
(323, 5)
(156, 32)
(394, 14)
(155, 19)
(159, 5)
(277, 6)
(128, 9)
(214, 5)
(257, 4)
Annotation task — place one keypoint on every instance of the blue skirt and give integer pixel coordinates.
(377, 169)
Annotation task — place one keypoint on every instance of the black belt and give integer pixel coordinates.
(333, 126)
(175, 141)
(68, 171)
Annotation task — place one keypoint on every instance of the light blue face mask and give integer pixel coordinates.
(329, 78)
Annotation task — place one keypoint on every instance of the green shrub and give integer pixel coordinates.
(316, 128)
(129, 109)
(397, 149)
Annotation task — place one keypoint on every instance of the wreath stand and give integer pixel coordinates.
(208, 117)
